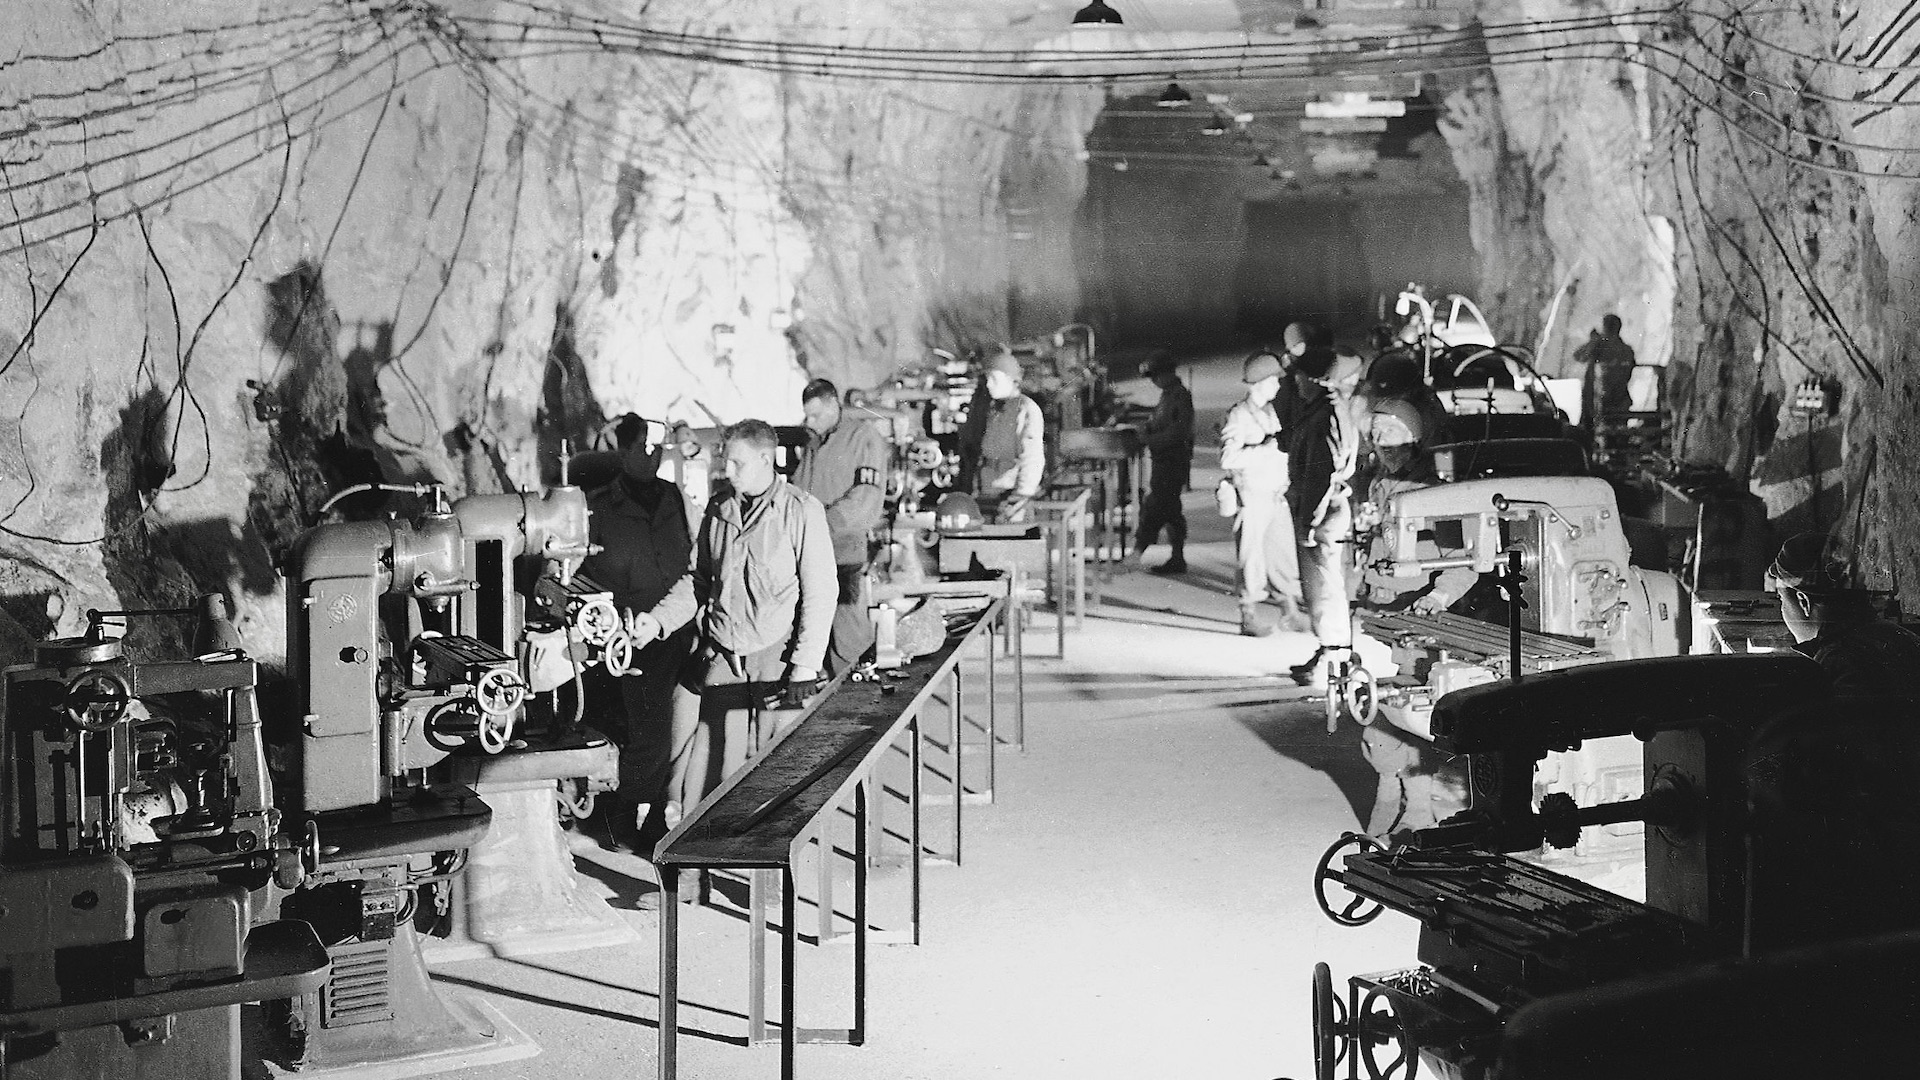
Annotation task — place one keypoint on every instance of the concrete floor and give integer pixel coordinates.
(1136, 903)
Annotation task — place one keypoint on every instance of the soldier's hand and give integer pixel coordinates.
(642, 628)
(1432, 603)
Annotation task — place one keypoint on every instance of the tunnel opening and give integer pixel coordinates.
(1194, 237)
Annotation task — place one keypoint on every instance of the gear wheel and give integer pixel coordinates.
(1559, 820)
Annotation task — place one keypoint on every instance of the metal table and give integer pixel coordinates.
(1065, 519)
(764, 816)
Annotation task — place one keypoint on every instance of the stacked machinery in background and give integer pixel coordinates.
(139, 847)
(1779, 927)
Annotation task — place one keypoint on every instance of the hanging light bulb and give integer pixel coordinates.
(1097, 14)
(1120, 166)
(1173, 97)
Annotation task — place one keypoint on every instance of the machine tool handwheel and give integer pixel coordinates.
(499, 691)
(617, 656)
(495, 731)
(452, 724)
(1331, 704)
(575, 799)
(1360, 693)
(1332, 1036)
(1355, 913)
(96, 700)
(1369, 1028)
(598, 621)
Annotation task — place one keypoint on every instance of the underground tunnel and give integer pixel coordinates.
(512, 512)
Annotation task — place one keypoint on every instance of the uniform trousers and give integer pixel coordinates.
(852, 626)
(720, 717)
(1323, 578)
(1263, 543)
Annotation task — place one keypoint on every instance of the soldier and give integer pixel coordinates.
(761, 593)
(1833, 621)
(843, 468)
(639, 522)
(1169, 435)
(1252, 454)
(1013, 449)
(1609, 364)
(1322, 449)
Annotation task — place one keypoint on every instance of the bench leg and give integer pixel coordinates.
(757, 956)
(859, 1034)
(669, 972)
(913, 800)
(789, 934)
(956, 728)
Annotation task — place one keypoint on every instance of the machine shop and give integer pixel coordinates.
(1242, 539)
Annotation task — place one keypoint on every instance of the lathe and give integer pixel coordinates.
(138, 845)
(1507, 948)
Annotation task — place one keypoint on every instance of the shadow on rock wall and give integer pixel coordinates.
(155, 564)
(313, 413)
(569, 409)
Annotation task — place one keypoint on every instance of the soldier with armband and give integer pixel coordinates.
(844, 467)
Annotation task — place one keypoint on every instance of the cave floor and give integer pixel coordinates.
(1137, 902)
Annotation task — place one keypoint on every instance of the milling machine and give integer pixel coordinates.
(138, 843)
(1777, 833)
(1581, 602)
(403, 640)
(518, 894)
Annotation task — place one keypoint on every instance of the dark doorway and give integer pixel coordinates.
(1302, 260)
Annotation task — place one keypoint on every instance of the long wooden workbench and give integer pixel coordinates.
(763, 818)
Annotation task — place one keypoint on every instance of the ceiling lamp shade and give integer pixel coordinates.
(1097, 14)
(1216, 125)
(1173, 97)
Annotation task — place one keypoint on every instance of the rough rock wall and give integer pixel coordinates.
(1504, 212)
(255, 253)
(1762, 161)
(1718, 178)
(1553, 154)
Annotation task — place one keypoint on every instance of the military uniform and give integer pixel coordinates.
(1013, 456)
(1322, 450)
(761, 593)
(846, 471)
(1251, 453)
(640, 525)
(1169, 435)
(1868, 658)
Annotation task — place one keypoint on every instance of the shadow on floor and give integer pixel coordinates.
(627, 889)
(1107, 602)
(1299, 732)
(590, 1010)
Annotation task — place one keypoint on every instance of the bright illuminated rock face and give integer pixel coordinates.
(468, 252)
